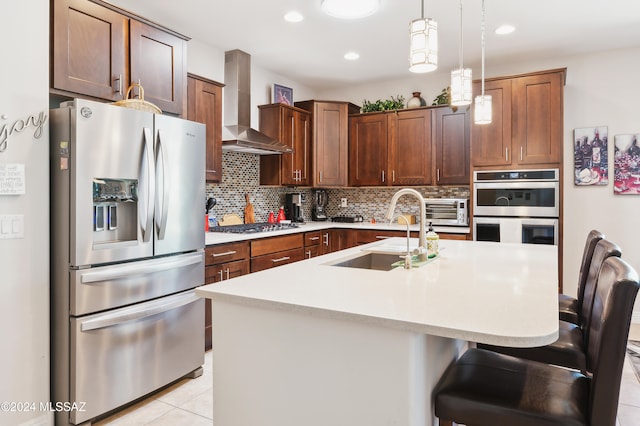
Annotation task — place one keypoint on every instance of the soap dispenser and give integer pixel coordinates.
(432, 242)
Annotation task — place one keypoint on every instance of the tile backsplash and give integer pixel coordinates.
(241, 176)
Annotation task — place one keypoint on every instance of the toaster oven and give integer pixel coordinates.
(448, 211)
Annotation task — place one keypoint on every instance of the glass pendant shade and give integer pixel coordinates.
(423, 50)
(482, 110)
(461, 87)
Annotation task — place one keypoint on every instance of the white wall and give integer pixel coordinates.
(24, 263)
(602, 89)
(208, 61)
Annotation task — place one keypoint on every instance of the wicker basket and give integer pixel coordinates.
(139, 104)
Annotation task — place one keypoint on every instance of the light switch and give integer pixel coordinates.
(11, 226)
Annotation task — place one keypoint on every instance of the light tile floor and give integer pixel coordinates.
(189, 402)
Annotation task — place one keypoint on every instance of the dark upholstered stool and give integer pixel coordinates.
(485, 388)
(569, 307)
(570, 348)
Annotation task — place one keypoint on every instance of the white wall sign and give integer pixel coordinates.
(12, 179)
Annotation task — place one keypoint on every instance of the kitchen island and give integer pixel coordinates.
(314, 343)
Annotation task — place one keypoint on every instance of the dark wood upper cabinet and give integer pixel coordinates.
(368, 149)
(204, 105)
(452, 145)
(90, 49)
(527, 122)
(391, 148)
(292, 127)
(98, 50)
(159, 63)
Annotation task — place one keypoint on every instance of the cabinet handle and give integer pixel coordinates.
(520, 152)
(506, 153)
(382, 237)
(227, 273)
(226, 253)
(326, 239)
(393, 176)
(118, 79)
(383, 176)
(438, 175)
(314, 238)
(221, 278)
(320, 180)
(281, 259)
(308, 254)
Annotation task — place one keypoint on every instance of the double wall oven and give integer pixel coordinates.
(516, 206)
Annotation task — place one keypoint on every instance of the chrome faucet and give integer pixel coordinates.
(422, 244)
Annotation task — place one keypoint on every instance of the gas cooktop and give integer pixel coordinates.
(250, 228)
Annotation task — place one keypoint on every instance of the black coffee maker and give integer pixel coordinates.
(293, 207)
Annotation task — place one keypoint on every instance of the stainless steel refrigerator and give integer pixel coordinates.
(127, 250)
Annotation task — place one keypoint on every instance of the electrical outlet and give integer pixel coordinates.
(343, 202)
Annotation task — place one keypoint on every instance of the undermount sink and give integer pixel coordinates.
(375, 261)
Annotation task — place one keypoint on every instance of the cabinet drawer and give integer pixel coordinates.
(276, 259)
(225, 271)
(312, 251)
(226, 253)
(275, 244)
(312, 238)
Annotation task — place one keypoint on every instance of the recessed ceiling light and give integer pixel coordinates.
(351, 56)
(350, 9)
(293, 16)
(505, 29)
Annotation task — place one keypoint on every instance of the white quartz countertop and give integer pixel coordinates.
(496, 293)
(212, 238)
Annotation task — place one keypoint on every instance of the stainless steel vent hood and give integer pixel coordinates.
(237, 134)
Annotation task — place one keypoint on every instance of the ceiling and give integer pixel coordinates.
(311, 52)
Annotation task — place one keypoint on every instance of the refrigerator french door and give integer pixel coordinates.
(126, 253)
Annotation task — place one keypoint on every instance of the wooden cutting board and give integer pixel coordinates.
(249, 216)
(230, 219)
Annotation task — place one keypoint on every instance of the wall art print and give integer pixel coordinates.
(282, 95)
(626, 164)
(590, 156)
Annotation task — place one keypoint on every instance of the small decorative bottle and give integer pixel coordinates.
(433, 240)
(416, 101)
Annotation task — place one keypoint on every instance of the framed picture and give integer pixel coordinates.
(626, 161)
(591, 156)
(282, 95)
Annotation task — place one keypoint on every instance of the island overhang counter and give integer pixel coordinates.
(316, 344)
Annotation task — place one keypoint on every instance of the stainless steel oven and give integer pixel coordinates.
(517, 206)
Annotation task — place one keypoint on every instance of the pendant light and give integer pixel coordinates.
(461, 78)
(423, 45)
(483, 102)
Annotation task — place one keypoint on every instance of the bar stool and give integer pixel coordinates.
(570, 348)
(486, 388)
(569, 307)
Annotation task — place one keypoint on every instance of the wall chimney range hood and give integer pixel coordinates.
(237, 134)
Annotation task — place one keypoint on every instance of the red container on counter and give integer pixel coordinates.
(272, 218)
(281, 216)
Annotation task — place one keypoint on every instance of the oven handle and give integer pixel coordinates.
(110, 320)
(123, 271)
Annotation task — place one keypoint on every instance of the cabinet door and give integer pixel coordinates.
(368, 150)
(158, 62)
(537, 118)
(330, 144)
(491, 143)
(301, 130)
(204, 105)
(287, 137)
(89, 49)
(410, 147)
(452, 146)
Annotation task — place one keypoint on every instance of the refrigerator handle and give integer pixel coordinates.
(162, 195)
(147, 216)
(104, 321)
(125, 270)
